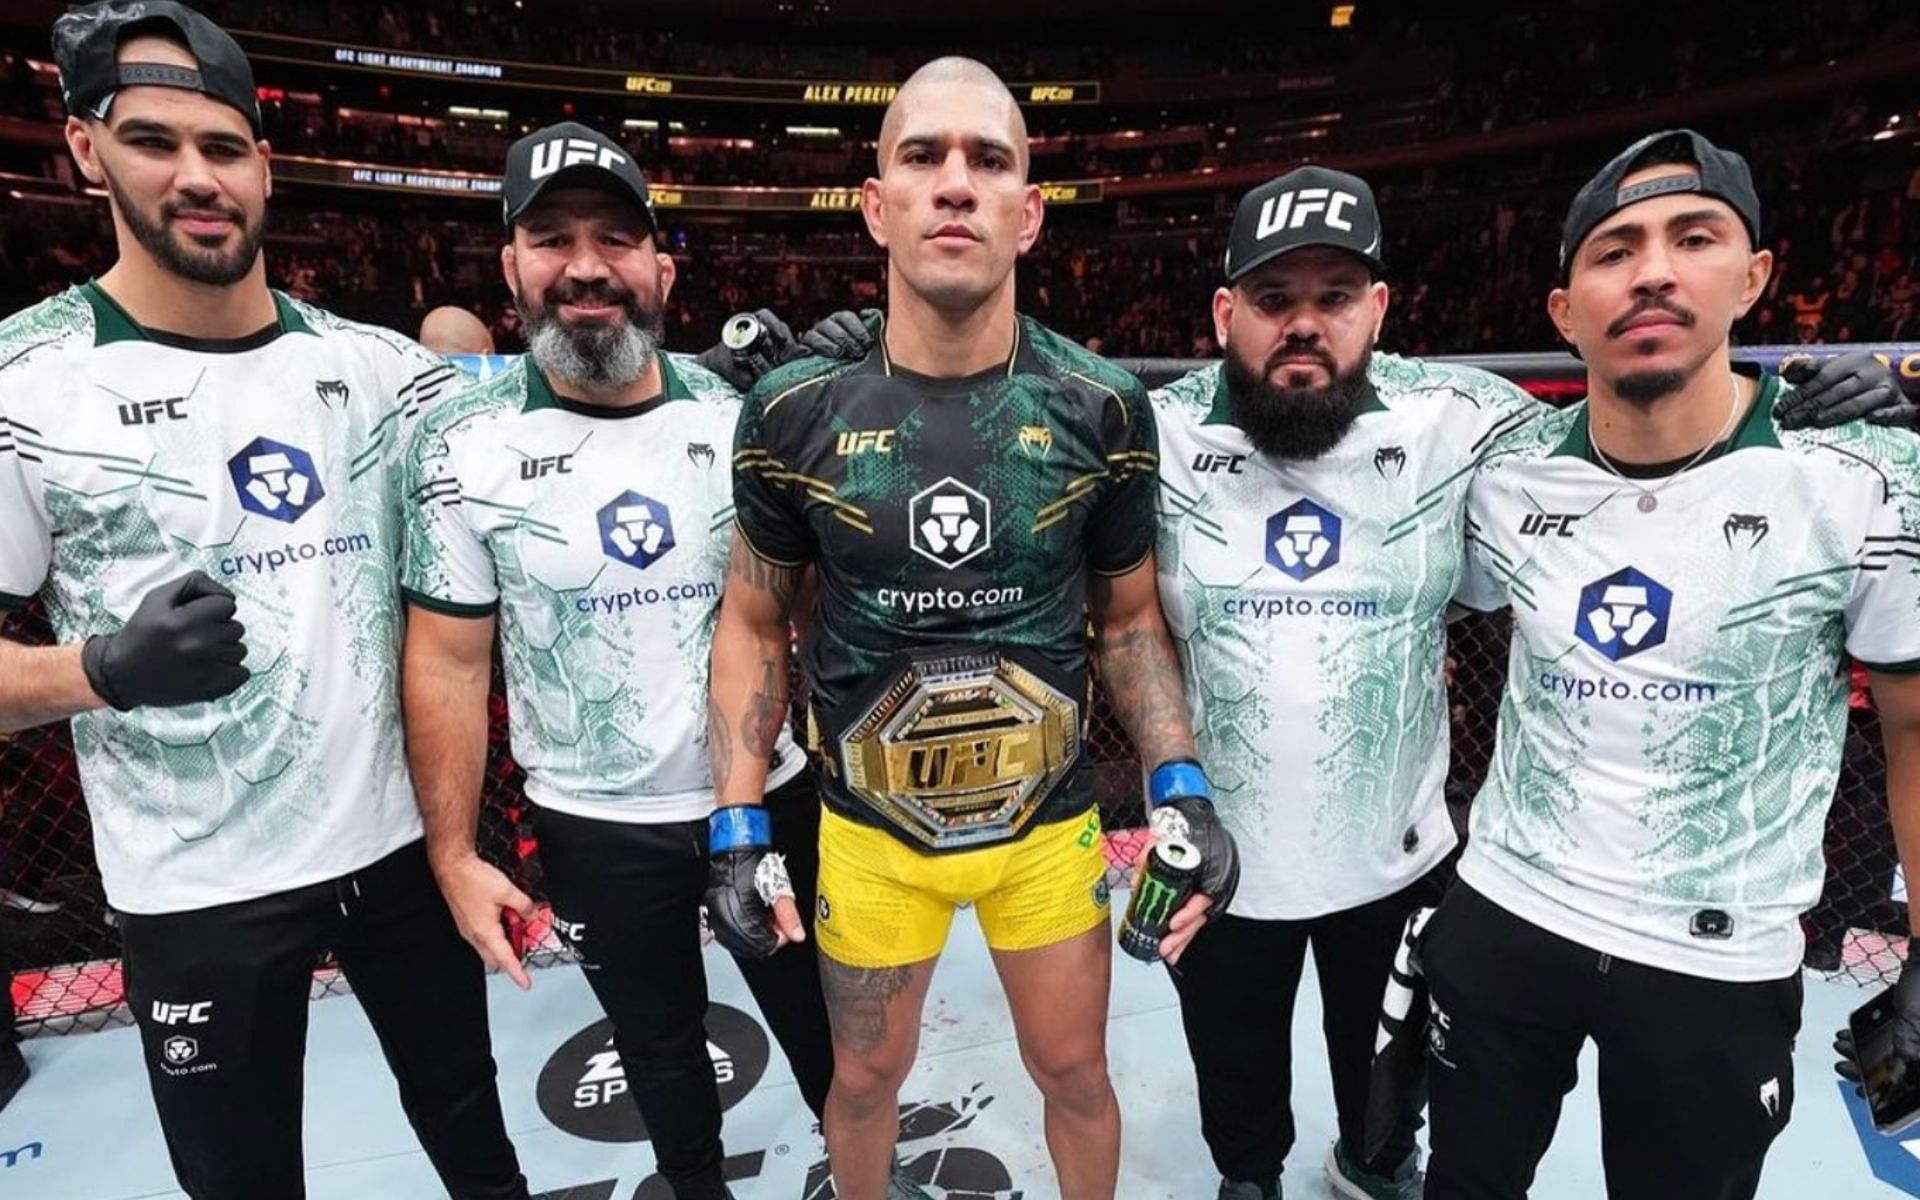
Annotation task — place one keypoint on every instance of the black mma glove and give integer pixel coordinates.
(744, 878)
(1182, 804)
(1906, 1028)
(845, 335)
(1847, 387)
(751, 344)
(180, 646)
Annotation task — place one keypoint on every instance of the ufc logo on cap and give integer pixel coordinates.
(549, 157)
(1291, 210)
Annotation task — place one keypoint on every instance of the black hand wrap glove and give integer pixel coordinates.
(180, 646)
(1906, 1029)
(845, 335)
(751, 344)
(744, 877)
(1847, 387)
(1182, 801)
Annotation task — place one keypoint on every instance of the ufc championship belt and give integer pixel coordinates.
(956, 747)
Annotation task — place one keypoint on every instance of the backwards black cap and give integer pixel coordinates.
(86, 45)
(1310, 206)
(1722, 174)
(570, 155)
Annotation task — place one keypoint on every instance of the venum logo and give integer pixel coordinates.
(331, 391)
(636, 529)
(700, 454)
(1390, 461)
(949, 523)
(583, 1088)
(1303, 539)
(1623, 613)
(1749, 528)
(275, 480)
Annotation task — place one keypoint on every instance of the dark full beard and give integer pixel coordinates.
(1295, 424)
(1643, 389)
(189, 260)
(593, 355)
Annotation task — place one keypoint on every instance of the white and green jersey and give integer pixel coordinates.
(128, 458)
(1676, 704)
(600, 536)
(1309, 601)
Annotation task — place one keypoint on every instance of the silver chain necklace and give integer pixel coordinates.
(1650, 497)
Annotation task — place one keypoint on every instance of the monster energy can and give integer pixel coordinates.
(1170, 875)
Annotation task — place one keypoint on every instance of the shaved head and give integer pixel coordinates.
(952, 71)
(452, 330)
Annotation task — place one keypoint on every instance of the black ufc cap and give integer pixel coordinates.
(570, 155)
(86, 43)
(1310, 206)
(1722, 174)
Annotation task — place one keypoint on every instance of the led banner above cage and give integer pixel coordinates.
(294, 168)
(268, 47)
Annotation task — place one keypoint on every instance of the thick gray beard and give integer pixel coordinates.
(605, 357)
(1643, 388)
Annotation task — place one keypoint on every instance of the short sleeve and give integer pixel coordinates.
(1482, 584)
(446, 568)
(26, 543)
(768, 511)
(1120, 529)
(1883, 613)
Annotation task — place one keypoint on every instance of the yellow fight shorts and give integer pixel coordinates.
(885, 904)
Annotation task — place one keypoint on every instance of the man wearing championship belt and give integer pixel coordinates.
(968, 493)
(1650, 831)
(1313, 517)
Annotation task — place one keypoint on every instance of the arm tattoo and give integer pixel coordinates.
(857, 1001)
(766, 712)
(719, 747)
(1141, 676)
(757, 573)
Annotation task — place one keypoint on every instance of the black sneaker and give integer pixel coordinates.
(1240, 1189)
(13, 1072)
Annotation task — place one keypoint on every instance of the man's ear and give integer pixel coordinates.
(79, 135)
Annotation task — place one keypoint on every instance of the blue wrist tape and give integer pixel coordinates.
(739, 827)
(1176, 780)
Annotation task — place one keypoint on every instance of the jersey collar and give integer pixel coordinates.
(1755, 430)
(111, 323)
(540, 393)
(1222, 411)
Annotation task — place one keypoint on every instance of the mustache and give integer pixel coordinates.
(1293, 349)
(599, 291)
(1650, 304)
(174, 209)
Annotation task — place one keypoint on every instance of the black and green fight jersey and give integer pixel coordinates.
(947, 512)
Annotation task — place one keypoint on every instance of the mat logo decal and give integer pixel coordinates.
(583, 1088)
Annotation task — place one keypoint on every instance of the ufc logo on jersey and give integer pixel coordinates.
(880, 441)
(148, 412)
(175, 1014)
(1291, 210)
(1548, 524)
(549, 157)
(553, 464)
(1208, 464)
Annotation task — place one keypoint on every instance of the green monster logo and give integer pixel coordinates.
(1155, 902)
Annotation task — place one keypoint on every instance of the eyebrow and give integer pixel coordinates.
(134, 127)
(932, 141)
(1634, 229)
